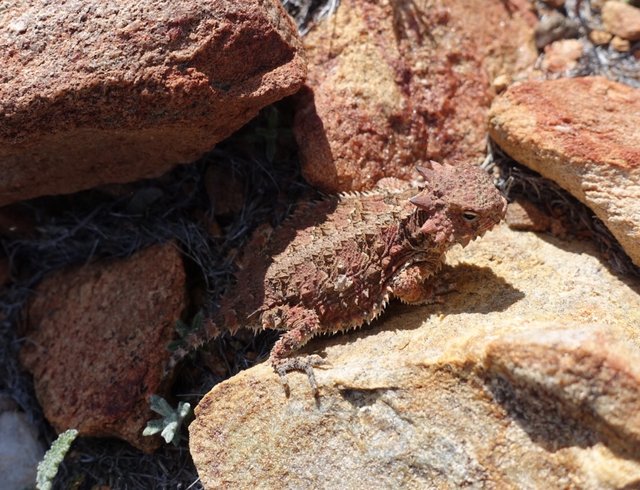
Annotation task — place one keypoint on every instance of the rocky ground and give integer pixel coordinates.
(135, 169)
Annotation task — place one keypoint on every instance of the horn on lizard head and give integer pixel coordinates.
(422, 200)
(425, 170)
(437, 166)
(431, 167)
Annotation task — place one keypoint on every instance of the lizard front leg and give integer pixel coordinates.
(301, 325)
(416, 285)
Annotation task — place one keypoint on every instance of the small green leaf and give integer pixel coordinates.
(175, 345)
(160, 405)
(184, 409)
(197, 322)
(168, 426)
(171, 433)
(48, 467)
(153, 427)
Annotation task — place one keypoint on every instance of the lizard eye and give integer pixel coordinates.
(469, 216)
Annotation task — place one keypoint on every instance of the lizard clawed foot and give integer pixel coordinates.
(301, 363)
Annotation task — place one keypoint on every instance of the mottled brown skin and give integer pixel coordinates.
(335, 263)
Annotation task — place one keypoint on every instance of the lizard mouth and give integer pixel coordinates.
(465, 240)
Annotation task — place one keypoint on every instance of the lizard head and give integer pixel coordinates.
(462, 203)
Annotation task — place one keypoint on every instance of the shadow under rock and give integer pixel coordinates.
(555, 423)
(312, 139)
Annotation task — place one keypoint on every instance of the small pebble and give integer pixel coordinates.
(19, 26)
(600, 37)
(619, 44)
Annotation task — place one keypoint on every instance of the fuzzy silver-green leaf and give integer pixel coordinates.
(48, 467)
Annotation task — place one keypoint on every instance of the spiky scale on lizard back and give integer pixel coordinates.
(334, 256)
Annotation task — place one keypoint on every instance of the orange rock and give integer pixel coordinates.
(562, 55)
(583, 134)
(97, 342)
(500, 83)
(110, 92)
(393, 84)
(621, 19)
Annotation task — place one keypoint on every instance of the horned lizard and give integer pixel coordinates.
(335, 263)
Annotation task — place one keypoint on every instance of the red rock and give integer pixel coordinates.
(583, 134)
(97, 342)
(110, 92)
(621, 19)
(393, 84)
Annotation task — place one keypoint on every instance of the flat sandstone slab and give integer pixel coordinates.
(95, 92)
(526, 377)
(582, 133)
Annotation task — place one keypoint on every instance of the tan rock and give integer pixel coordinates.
(600, 37)
(500, 83)
(619, 44)
(593, 376)
(395, 84)
(526, 377)
(101, 92)
(96, 342)
(562, 55)
(583, 134)
(621, 19)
